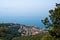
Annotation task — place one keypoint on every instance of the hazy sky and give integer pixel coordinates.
(25, 11)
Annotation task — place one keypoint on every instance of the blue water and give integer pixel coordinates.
(26, 20)
(27, 17)
(27, 12)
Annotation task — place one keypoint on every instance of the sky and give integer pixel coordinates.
(28, 12)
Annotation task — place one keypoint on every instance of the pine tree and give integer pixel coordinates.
(53, 24)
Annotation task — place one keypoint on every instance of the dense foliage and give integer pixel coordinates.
(35, 37)
(7, 33)
(10, 32)
(53, 25)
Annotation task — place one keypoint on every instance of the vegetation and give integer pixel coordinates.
(53, 25)
(8, 32)
(35, 37)
(48, 37)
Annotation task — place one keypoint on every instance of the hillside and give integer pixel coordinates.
(10, 30)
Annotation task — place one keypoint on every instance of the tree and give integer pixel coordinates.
(48, 37)
(53, 24)
(7, 33)
(2, 31)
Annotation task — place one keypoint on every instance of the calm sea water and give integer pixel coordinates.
(32, 21)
